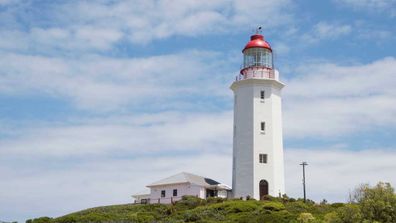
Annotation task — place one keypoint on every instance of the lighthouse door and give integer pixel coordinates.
(263, 189)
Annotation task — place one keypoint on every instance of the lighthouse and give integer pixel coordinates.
(257, 140)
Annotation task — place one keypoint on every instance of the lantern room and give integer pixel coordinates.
(257, 59)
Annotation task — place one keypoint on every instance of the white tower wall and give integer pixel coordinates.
(249, 141)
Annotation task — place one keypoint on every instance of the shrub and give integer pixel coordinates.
(191, 216)
(377, 203)
(332, 217)
(270, 198)
(135, 217)
(214, 200)
(337, 205)
(350, 214)
(239, 207)
(142, 218)
(39, 220)
(282, 216)
(305, 217)
(236, 206)
(273, 206)
(242, 217)
(66, 219)
(94, 217)
(189, 202)
(297, 207)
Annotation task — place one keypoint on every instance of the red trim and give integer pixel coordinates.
(254, 68)
(257, 40)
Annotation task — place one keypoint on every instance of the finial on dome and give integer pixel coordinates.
(258, 30)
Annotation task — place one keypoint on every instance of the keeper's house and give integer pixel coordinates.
(175, 187)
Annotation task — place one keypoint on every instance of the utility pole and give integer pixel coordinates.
(303, 164)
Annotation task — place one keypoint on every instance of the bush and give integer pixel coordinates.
(270, 198)
(377, 203)
(66, 219)
(214, 200)
(39, 220)
(297, 207)
(332, 217)
(191, 216)
(273, 206)
(305, 217)
(371, 205)
(189, 202)
(337, 205)
(236, 206)
(282, 216)
(350, 214)
(94, 217)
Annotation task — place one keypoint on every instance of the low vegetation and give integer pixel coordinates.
(367, 205)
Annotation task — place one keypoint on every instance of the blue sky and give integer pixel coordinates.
(100, 98)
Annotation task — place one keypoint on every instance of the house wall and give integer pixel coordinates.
(222, 193)
(182, 189)
(139, 198)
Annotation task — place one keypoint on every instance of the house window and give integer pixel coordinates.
(263, 126)
(162, 193)
(262, 95)
(263, 158)
(175, 192)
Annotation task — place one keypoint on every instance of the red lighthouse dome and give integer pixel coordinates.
(257, 41)
(257, 59)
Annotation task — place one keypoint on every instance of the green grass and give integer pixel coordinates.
(192, 209)
(371, 205)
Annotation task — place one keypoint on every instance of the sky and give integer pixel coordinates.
(100, 98)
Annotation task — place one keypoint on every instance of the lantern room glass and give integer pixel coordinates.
(257, 57)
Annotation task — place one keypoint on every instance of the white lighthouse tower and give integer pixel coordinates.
(257, 146)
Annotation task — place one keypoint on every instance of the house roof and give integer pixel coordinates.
(189, 178)
(145, 192)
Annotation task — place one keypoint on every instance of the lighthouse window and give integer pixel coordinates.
(262, 94)
(257, 57)
(262, 126)
(263, 158)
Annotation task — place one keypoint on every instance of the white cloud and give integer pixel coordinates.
(52, 40)
(68, 187)
(59, 191)
(333, 100)
(377, 6)
(325, 30)
(134, 134)
(102, 83)
(84, 25)
(325, 100)
(7, 2)
(331, 173)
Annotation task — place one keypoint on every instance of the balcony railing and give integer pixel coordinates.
(256, 73)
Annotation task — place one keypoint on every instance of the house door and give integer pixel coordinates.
(211, 193)
(263, 189)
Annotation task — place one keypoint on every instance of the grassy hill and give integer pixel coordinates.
(376, 204)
